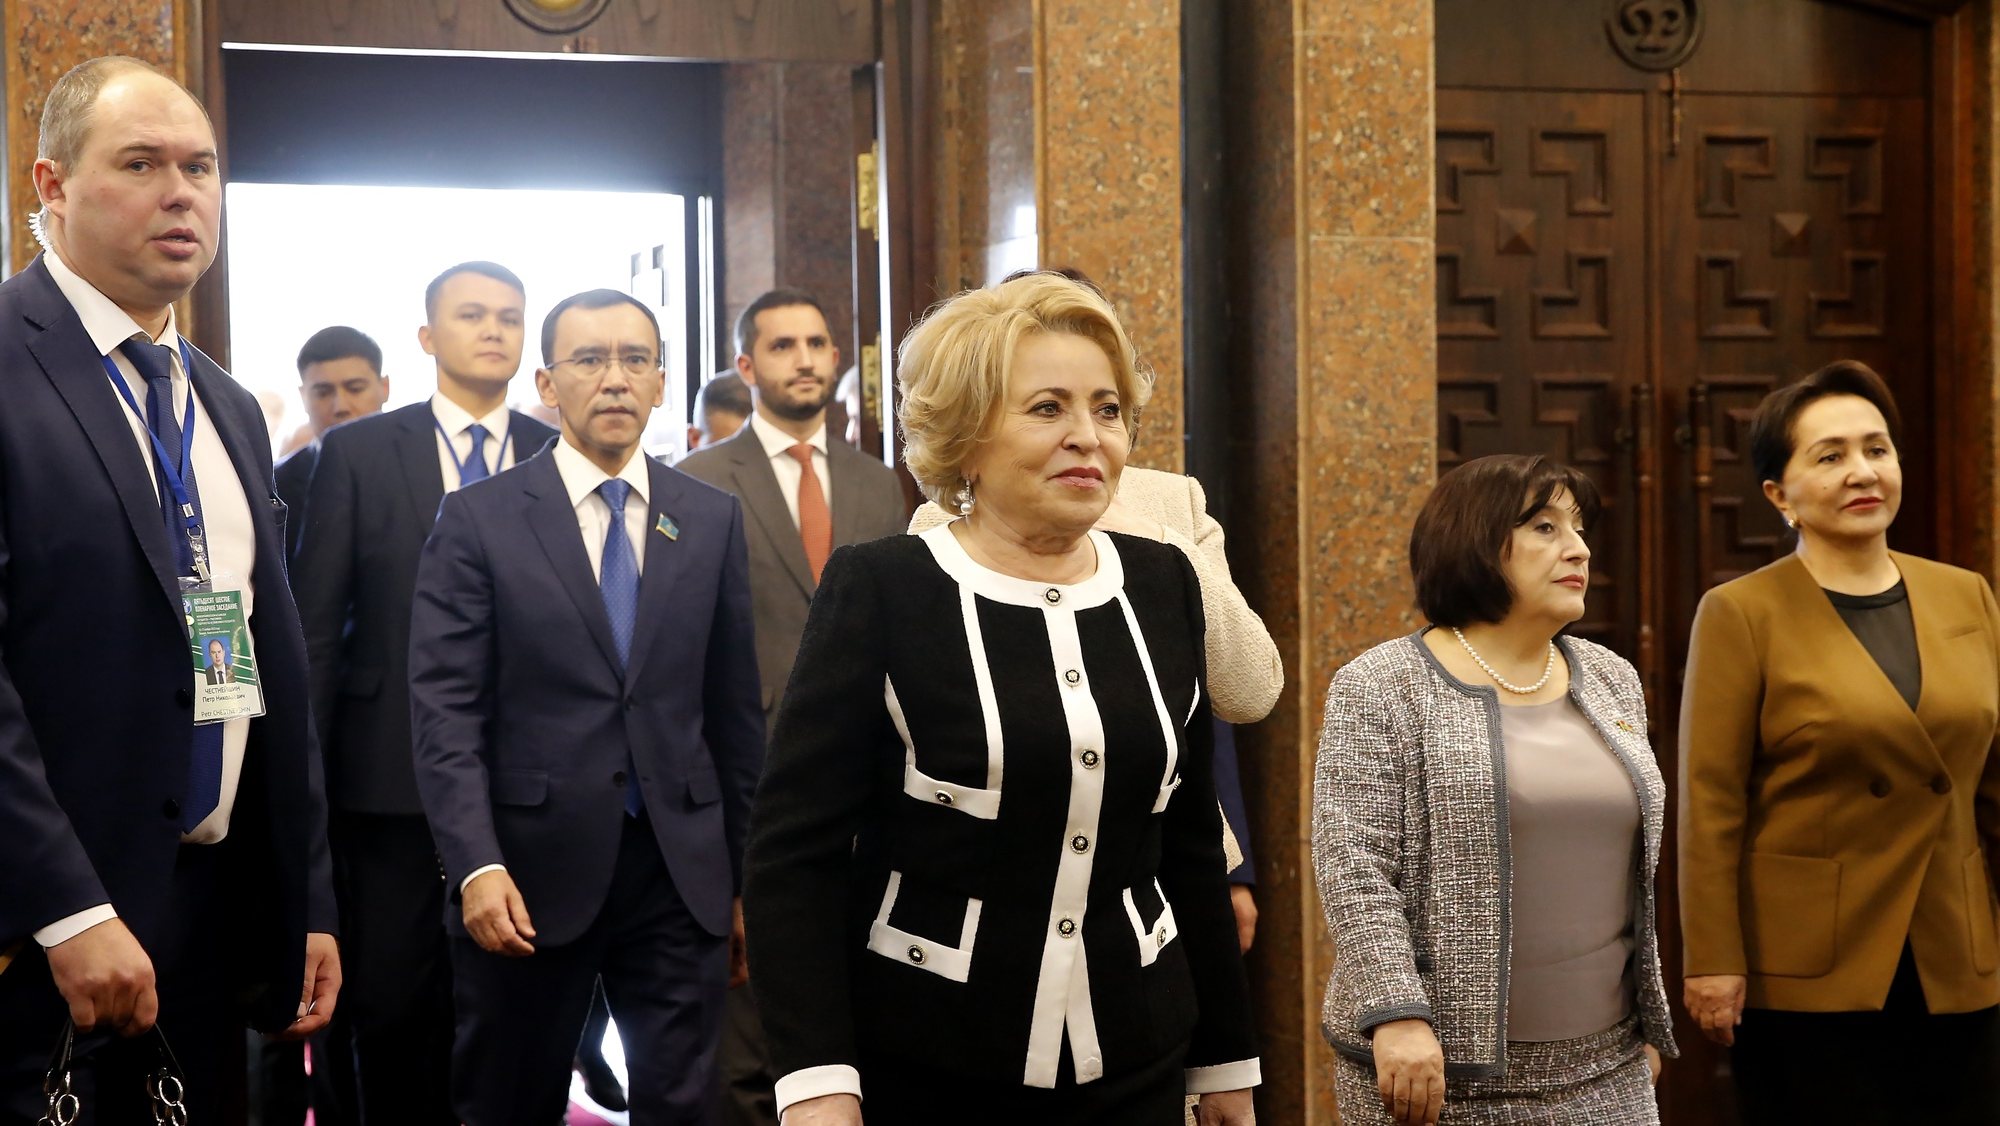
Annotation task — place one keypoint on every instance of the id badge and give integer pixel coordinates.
(225, 668)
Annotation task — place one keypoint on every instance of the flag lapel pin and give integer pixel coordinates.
(667, 527)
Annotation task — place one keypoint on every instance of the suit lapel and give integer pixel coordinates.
(757, 487)
(553, 520)
(842, 481)
(1857, 668)
(67, 357)
(203, 377)
(663, 560)
(416, 449)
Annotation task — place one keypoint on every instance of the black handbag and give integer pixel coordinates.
(166, 1083)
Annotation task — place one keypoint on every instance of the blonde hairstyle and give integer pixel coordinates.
(953, 368)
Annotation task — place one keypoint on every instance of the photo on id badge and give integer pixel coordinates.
(225, 669)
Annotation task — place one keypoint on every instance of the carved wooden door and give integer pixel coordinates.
(1651, 213)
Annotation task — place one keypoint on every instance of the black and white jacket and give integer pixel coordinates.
(987, 820)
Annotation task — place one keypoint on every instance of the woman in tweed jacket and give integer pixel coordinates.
(1485, 841)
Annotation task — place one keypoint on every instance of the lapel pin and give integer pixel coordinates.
(668, 528)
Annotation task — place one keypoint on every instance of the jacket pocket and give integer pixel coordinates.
(1979, 918)
(703, 786)
(1790, 913)
(1152, 919)
(910, 935)
(519, 787)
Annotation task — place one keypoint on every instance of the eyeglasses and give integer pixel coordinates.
(590, 366)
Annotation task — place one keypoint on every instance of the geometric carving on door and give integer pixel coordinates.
(1583, 158)
(1791, 234)
(1748, 533)
(1583, 407)
(1728, 156)
(1582, 309)
(1860, 309)
(1854, 157)
(1463, 150)
(1465, 312)
(1515, 230)
(1729, 311)
(1466, 401)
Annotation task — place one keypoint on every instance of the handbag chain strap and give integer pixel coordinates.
(166, 1093)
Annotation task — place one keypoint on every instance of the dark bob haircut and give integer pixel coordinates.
(1461, 537)
(1771, 429)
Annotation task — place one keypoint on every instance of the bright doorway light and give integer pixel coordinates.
(302, 257)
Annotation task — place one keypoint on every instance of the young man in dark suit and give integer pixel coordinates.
(587, 733)
(158, 868)
(374, 498)
(805, 494)
(340, 380)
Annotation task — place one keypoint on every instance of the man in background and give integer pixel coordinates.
(340, 379)
(804, 496)
(374, 498)
(721, 408)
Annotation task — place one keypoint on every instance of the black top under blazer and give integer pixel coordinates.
(988, 814)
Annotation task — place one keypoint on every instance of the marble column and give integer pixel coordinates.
(44, 38)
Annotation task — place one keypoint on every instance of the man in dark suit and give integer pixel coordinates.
(340, 379)
(374, 498)
(584, 707)
(805, 495)
(157, 868)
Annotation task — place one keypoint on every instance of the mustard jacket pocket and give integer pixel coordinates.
(1979, 918)
(1790, 913)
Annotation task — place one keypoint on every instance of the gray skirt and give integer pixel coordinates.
(1595, 1080)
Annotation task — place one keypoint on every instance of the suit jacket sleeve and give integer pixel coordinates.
(1193, 874)
(47, 876)
(1720, 706)
(1244, 669)
(451, 691)
(733, 703)
(1986, 804)
(1359, 784)
(817, 786)
(323, 578)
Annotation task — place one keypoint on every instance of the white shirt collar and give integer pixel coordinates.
(776, 442)
(107, 324)
(581, 477)
(455, 418)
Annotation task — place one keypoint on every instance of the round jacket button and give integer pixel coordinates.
(1089, 760)
(1079, 843)
(1053, 596)
(943, 798)
(1941, 784)
(618, 779)
(1072, 677)
(1066, 927)
(1879, 787)
(916, 954)
(170, 809)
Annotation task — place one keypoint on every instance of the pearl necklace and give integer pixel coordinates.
(1548, 670)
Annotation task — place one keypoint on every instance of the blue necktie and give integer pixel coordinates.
(618, 582)
(474, 468)
(155, 363)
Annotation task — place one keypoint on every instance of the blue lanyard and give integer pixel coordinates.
(478, 450)
(175, 472)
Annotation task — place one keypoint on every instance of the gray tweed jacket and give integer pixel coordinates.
(1410, 847)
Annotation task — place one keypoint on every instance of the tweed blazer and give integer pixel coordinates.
(1823, 822)
(1410, 845)
(1244, 670)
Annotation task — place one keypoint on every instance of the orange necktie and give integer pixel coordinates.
(815, 522)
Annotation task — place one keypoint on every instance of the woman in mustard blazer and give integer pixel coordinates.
(1840, 797)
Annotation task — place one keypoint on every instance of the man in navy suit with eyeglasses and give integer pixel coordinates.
(588, 731)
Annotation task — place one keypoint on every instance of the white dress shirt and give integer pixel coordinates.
(225, 511)
(581, 477)
(777, 446)
(456, 421)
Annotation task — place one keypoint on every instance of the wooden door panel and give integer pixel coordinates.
(1541, 310)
